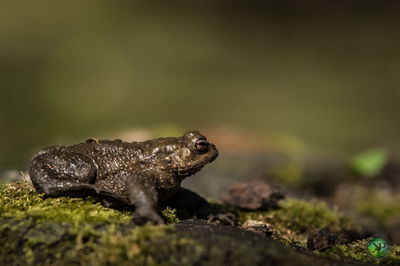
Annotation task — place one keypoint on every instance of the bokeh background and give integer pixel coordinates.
(325, 72)
(302, 94)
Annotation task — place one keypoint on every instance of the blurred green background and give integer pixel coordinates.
(327, 72)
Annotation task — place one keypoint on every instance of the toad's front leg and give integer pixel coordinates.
(143, 195)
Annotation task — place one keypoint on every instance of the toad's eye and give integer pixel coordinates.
(201, 144)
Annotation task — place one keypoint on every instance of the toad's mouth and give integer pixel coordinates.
(213, 153)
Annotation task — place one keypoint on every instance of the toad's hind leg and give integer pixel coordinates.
(57, 172)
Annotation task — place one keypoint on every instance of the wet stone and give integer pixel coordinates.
(222, 218)
(253, 195)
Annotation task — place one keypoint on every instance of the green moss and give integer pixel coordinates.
(19, 200)
(147, 245)
(357, 250)
(51, 243)
(301, 216)
(292, 223)
(169, 215)
(380, 205)
(297, 218)
(38, 230)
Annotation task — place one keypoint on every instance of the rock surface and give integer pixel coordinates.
(63, 231)
(253, 195)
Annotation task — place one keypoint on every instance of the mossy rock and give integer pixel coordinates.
(293, 222)
(67, 231)
(64, 231)
(295, 219)
(357, 251)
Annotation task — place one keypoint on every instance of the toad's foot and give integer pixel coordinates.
(143, 215)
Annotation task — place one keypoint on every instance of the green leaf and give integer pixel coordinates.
(370, 162)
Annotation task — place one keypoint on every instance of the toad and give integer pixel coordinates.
(139, 174)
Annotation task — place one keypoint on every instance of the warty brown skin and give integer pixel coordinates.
(138, 173)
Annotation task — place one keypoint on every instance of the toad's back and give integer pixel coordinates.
(114, 161)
